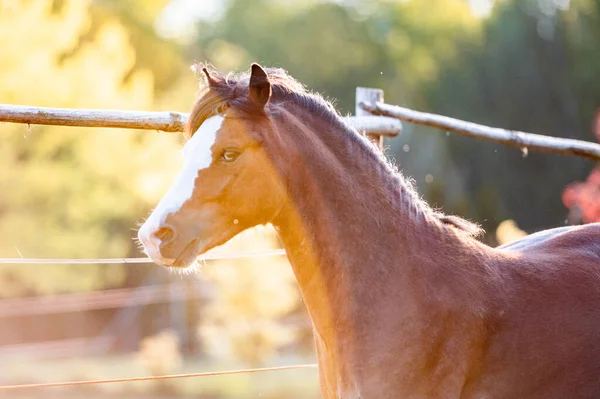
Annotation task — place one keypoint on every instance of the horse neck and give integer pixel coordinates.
(356, 234)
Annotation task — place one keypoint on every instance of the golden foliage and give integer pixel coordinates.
(508, 231)
(160, 354)
(68, 192)
(252, 296)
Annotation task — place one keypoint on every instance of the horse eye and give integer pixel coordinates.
(230, 156)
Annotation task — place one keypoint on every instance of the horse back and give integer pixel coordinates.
(583, 239)
(544, 335)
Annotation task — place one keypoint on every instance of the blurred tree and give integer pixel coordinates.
(583, 199)
(71, 192)
(532, 71)
(164, 58)
(334, 46)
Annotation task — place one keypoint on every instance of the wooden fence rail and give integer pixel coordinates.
(166, 121)
(107, 261)
(383, 121)
(525, 141)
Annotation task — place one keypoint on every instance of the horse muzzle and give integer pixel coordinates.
(166, 247)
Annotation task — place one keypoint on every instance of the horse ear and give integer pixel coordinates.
(260, 87)
(209, 78)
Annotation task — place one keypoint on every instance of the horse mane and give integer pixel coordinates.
(219, 92)
(470, 228)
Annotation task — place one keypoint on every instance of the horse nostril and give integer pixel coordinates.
(165, 235)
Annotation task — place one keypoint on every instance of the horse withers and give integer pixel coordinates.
(405, 301)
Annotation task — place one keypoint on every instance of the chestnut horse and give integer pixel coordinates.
(405, 302)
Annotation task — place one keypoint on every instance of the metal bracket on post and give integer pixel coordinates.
(370, 96)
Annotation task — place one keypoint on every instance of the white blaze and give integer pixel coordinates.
(197, 155)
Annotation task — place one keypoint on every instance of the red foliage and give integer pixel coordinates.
(583, 198)
(597, 125)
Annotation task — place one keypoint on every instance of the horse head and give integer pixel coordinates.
(227, 182)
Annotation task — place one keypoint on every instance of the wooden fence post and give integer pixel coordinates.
(369, 96)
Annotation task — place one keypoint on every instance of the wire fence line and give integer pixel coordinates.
(155, 378)
(106, 261)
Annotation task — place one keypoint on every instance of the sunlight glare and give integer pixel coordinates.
(179, 18)
(481, 8)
